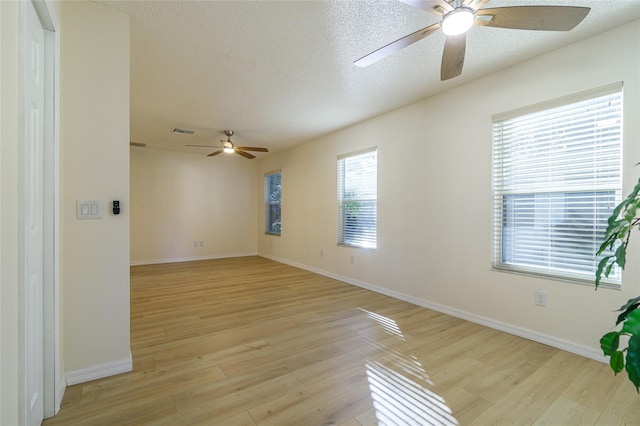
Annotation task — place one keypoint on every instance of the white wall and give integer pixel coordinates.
(179, 198)
(94, 163)
(9, 108)
(434, 195)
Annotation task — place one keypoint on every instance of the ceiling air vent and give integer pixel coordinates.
(138, 144)
(183, 131)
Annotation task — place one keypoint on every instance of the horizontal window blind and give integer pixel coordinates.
(272, 202)
(556, 179)
(357, 199)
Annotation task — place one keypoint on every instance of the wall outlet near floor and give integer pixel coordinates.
(352, 260)
(321, 253)
(541, 298)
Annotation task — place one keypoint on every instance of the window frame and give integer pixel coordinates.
(499, 194)
(269, 204)
(342, 200)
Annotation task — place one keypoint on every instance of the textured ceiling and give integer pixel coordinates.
(280, 73)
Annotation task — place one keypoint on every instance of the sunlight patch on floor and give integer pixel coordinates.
(397, 383)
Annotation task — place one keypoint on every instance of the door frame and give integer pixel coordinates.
(53, 380)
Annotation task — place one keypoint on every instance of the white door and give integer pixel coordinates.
(32, 148)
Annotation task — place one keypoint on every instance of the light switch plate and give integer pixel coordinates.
(89, 209)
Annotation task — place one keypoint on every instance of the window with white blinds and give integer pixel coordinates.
(357, 199)
(272, 199)
(556, 180)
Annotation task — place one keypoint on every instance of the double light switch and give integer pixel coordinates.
(89, 209)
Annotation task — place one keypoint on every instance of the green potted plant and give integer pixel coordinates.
(623, 346)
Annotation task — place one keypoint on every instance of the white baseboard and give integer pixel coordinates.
(526, 333)
(99, 371)
(190, 259)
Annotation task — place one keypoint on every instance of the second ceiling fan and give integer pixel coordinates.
(458, 16)
(229, 148)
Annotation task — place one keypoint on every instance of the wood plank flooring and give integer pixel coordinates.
(248, 341)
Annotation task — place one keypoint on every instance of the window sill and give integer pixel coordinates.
(357, 247)
(573, 280)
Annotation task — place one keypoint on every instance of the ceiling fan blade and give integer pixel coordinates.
(244, 154)
(252, 148)
(453, 56)
(438, 7)
(215, 153)
(203, 146)
(395, 46)
(544, 18)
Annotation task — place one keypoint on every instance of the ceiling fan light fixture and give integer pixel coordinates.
(458, 21)
(228, 150)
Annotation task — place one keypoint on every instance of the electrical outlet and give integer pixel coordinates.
(321, 253)
(541, 298)
(352, 260)
(201, 244)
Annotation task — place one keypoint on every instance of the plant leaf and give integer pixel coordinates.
(609, 268)
(618, 227)
(615, 213)
(632, 324)
(601, 266)
(630, 213)
(635, 190)
(633, 361)
(621, 256)
(630, 302)
(617, 362)
(609, 241)
(609, 343)
(630, 306)
(623, 315)
(622, 232)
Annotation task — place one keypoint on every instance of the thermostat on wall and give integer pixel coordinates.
(89, 209)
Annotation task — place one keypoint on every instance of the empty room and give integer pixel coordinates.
(321, 212)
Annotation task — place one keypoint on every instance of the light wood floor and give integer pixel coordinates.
(248, 341)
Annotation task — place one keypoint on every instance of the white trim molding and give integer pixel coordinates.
(62, 387)
(525, 333)
(190, 259)
(99, 371)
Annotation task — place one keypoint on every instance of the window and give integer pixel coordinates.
(556, 179)
(272, 197)
(357, 199)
